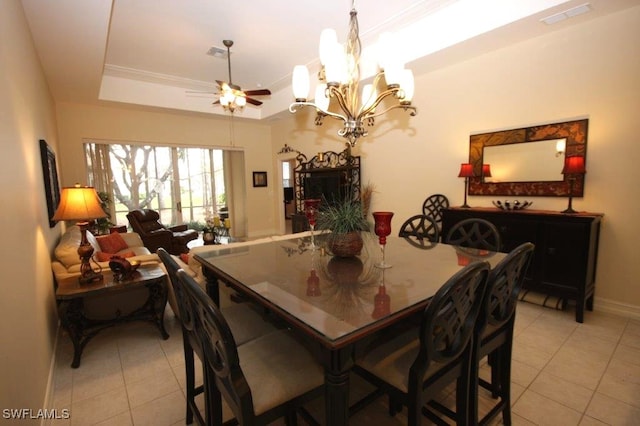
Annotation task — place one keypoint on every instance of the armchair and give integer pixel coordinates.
(154, 235)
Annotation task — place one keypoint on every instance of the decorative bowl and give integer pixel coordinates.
(512, 205)
(122, 268)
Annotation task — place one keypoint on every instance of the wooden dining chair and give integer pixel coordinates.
(433, 206)
(494, 333)
(262, 380)
(421, 228)
(246, 324)
(475, 233)
(415, 366)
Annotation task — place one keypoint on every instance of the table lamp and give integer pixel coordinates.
(81, 204)
(573, 166)
(466, 171)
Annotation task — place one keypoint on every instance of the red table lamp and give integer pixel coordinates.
(466, 171)
(81, 204)
(573, 166)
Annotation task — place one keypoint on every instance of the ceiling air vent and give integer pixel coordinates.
(218, 52)
(569, 13)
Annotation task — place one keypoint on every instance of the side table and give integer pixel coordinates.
(71, 295)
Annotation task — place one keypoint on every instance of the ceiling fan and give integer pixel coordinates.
(231, 96)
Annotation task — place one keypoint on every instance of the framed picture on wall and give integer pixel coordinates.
(259, 179)
(50, 174)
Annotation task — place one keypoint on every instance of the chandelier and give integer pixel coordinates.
(339, 79)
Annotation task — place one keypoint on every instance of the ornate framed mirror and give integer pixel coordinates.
(528, 161)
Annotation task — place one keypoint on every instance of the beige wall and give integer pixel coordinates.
(590, 70)
(79, 123)
(29, 319)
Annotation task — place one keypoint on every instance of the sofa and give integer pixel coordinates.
(66, 263)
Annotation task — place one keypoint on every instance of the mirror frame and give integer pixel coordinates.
(574, 131)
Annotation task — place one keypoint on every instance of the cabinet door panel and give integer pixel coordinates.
(564, 255)
(515, 232)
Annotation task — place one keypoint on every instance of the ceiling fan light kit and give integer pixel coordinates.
(339, 79)
(232, 97)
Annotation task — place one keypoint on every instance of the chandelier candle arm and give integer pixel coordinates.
(339, 79)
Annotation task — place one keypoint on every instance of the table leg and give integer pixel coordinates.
(212, 286)
(72, 320)
(337, 365)
(158, 302)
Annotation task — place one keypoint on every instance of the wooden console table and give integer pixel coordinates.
(71, 296)
(566, 253)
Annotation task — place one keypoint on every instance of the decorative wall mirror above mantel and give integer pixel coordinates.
(537, 155)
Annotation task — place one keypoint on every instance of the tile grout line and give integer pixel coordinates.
(584, 414)
(528, 387)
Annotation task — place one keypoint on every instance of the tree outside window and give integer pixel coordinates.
(183, 184)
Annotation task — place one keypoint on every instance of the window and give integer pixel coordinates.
(286, 175)
(183, 184)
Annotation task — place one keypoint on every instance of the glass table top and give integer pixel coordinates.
(340, 296)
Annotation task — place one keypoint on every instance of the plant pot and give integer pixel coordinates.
(345, 245)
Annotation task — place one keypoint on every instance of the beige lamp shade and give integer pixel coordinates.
(80, 204)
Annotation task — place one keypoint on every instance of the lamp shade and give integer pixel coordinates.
(328, 39)
(486, 170)
(300, 82)
(407, 85)
(321, 100)
(573, 165)
(79, 203)
(466, 170)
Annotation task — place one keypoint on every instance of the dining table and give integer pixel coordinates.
(337, 303)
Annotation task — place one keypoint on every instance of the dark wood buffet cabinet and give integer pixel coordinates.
(566, 253)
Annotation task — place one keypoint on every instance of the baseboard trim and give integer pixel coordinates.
(617, 308)
(51, 380)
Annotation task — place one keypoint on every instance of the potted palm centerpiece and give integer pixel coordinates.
(346, 220)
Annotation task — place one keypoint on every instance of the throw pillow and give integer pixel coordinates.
(105, 257)
(184, 257)
(111, 243)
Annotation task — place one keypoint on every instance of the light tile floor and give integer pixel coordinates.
(564, 373)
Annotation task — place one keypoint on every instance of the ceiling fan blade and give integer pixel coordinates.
(216, 102)
(258, 92)
(253, 101)
(200, 92)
